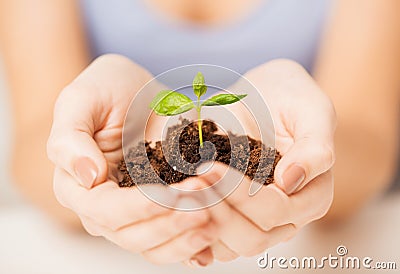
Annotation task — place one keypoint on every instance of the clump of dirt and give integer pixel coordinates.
(178, 156)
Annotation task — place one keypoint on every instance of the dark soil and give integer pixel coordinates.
(177, 157)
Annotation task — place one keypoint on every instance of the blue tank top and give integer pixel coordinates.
(277, 29)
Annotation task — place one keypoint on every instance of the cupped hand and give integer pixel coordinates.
(249, 224)
(304, 121)
(86, 146)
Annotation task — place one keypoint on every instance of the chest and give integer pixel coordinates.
(277, 29)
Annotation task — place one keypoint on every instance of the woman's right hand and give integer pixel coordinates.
(86, 146)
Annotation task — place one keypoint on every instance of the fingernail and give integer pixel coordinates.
(293, 177)
(86, 171)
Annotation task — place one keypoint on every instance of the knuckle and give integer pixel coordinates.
(274, 215)
(51, 148)
(225, 256)
(113, 225)
(328, 107)
(289, 64)
(130, 244)
(58, 190)
(70, 95)
(89, 227)
(102, 218)
(106, 207)
(194, 218)
(325, 153)
(59, 196)
(64, 96)
(325, 206)
(267, 223)
(111, 57)
(319, 215)
(94, 207)
(87, 208)
(117, 60)
(150, 208)
(280, 69)
(55, 146)
(285, 65)
(196, 241)
(200, 217)
(320, 211)
(328, 155)
(111, 220)
(332, 155)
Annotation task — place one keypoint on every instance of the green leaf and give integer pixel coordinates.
(199, 87)
(223, 99)
(170, 103)
(159, 97)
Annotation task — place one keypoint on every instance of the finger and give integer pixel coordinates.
(270, 206)
(92, 103)
(231, 224)
(71, 145)
(201, 259)
(184, 246)
(223, 253)
(91, 227)
(313, 201)
(312, 152)
(219, 250)
(154, 232)
(78, 153)
(309, 122)
(305, 160)
(204, 257)
(108, 204)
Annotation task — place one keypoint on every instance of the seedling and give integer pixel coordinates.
(170, 103)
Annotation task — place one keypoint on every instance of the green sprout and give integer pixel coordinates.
(170, 103)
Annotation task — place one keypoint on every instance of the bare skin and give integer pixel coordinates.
(362, 67)
(43, 49)
(209, 13)
(86, 136)
(359, 67)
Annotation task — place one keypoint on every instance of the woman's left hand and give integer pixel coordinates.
(248, 225)
(304, 120)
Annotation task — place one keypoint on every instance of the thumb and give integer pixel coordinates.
(78, 154)
(304, 161)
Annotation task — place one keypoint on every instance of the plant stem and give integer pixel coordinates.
(199, 123)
